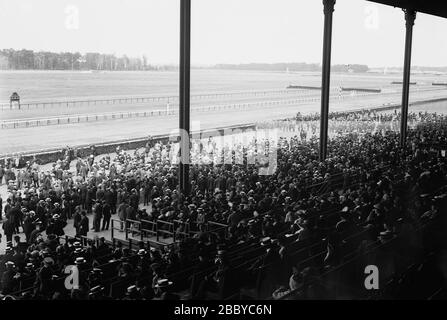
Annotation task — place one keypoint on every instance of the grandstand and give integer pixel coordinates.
(292, 209)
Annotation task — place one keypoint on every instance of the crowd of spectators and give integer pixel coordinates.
(369, 183)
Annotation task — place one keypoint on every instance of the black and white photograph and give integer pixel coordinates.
(228, 156)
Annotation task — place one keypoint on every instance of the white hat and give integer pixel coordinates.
(163, 283)
(80, 260)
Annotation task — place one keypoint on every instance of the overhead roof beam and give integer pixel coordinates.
(435, 7)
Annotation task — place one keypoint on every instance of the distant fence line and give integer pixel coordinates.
(171, 98)
(73, 119)
(131, 100)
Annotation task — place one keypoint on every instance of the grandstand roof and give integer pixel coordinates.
(436, 8)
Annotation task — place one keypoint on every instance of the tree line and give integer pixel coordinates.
(11, 59)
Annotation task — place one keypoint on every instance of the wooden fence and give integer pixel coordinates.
(80, 118)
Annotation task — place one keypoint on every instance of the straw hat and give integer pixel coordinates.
(163, 283)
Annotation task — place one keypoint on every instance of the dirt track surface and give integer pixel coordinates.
(58, 136)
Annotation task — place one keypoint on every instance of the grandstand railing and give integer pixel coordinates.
(158, 231)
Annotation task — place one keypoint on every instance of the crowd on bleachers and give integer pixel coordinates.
(367, 186)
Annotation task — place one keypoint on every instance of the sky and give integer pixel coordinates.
(223, 31)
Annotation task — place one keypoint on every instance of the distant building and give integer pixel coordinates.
(14, 98)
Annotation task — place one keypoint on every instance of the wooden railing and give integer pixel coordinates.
(82, 118)
(175, 230)
(147, 99)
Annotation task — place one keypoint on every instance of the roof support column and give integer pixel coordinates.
(410, 16)
(184, 95)
(326, 74)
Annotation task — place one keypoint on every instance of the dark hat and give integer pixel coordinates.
(51, 236)
(155, 266)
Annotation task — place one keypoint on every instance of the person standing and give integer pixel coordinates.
(8, 208)
(9, 280)
(2, 173)
(35, 177)
(36, 232)
(97, 216)
(14, 217)
(28, 225)
(44, 284)
(84, 224)
(106, 215)
(77, 219)
(8, 229)
(122, 213)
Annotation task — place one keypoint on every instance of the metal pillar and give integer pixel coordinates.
(184, 107)
(410, 16)
(326, 74)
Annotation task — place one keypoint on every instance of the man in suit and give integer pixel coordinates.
(44, 279)
(36, 232)
(14, 216)
(97, 216)
(8, 207)
(2, 173)
(28, 224)
(122, 213)
(106, 215)
(77, 219)
(8, 229)
(8, 279)
(84, 224)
